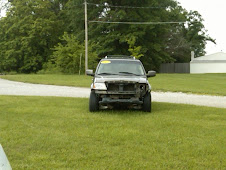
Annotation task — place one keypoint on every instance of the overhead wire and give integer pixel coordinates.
(132, 23)
(133, 7)
(136, 23)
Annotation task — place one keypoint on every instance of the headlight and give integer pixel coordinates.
(99, 86)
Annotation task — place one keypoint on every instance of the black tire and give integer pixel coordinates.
(147, 102)
(93, 102)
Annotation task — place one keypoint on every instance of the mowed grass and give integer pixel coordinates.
(52, 79)
(212, 84)
(60, 133)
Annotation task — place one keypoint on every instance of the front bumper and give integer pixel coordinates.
(122, 93)
(126, 101)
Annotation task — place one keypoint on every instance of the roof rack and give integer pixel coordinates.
(119, 57)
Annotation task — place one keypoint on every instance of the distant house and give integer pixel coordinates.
(214, 63)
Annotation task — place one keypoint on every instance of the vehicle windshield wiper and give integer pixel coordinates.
(130, 73)
(107, 74)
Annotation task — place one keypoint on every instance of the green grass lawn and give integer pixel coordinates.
(212, 84)
(52, 79)
(60, 133)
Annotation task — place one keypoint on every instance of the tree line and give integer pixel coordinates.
(48, 35)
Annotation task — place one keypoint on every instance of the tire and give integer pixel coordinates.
(147, 102)
(93, 102)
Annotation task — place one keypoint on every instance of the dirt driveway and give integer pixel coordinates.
(26, 89)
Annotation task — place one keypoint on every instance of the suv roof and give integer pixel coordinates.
(119, 57)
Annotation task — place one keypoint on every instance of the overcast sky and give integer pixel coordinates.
(214, 13)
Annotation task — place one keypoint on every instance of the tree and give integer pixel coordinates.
(196, 34)
(30, 30)
(154, 44)
(184, 38)
(134, 50)
(66, 56)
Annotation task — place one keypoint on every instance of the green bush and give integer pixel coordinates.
(67, 54)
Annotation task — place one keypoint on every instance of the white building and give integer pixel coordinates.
(214, 63)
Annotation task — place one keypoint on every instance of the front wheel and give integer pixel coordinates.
(147, 102)
(93, 102)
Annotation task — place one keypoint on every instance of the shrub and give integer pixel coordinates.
(67, 54)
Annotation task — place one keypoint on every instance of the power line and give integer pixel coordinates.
(136, 23)
(109, 22)
(133, 7)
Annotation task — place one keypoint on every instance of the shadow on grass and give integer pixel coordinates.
(124, 110)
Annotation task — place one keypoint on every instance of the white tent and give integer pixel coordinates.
(214, 63)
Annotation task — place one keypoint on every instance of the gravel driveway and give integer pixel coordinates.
(26, 89)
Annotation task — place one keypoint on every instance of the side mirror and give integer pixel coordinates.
(151, 74)
(89, 72)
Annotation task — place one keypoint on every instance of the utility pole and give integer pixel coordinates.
(86, 37)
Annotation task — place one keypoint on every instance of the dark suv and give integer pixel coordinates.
(120, 81)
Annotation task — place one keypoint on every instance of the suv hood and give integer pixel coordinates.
(136, 79)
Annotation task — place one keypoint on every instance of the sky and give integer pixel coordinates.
(213, 12)
(2, 11)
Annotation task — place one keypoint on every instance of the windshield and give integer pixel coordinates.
(117, 67)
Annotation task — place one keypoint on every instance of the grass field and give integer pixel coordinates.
(53, 79)
(212, 84)
(60, 133)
